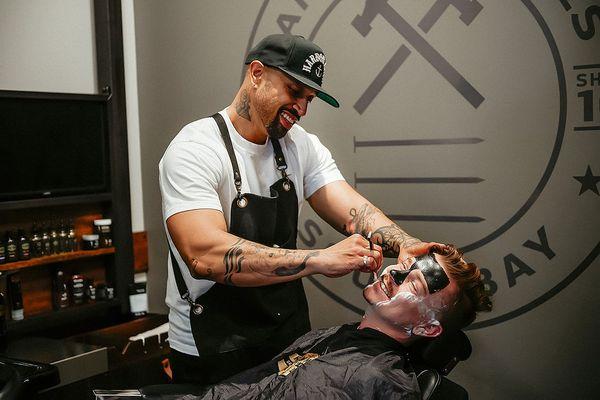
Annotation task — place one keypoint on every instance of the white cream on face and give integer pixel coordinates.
(402, 313)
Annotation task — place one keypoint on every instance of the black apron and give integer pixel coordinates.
(228, 318)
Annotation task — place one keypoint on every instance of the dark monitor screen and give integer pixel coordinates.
(52, 147)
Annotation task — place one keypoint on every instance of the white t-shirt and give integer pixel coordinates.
(195, 173)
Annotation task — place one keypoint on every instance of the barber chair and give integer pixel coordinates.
(433, 359)
(22, 380)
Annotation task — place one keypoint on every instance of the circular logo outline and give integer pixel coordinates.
(586, 262)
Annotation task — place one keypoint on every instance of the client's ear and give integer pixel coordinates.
(428, 330)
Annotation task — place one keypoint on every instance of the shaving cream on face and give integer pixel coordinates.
(402, 313)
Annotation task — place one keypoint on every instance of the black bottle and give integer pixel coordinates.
(46, 243)
(36, 242)
(12, 253)
(71, 237)
(24, 247)
(60, 292)
(2, 251)
(77, 284)
(2, 323)
(54, 240)
(16, 298)
(62, 238)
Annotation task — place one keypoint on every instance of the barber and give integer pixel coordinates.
(232, 186)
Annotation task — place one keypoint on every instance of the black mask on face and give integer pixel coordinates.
(434, 274)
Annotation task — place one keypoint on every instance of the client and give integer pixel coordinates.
(416, 299)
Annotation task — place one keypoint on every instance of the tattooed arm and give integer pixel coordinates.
(349, 212)
(211, 252)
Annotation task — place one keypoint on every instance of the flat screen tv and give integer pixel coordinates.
(52, 145)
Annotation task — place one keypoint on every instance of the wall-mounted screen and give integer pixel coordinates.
(52, 146)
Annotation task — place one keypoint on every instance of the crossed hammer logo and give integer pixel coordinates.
(469, 9)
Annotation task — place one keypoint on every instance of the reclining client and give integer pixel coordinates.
(419, 298)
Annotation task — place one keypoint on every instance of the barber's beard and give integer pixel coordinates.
(274, 129)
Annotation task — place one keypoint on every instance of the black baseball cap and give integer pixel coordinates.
(298, 57)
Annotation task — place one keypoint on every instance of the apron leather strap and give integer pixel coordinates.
(182, 287)
(279, 158)
(237, 178)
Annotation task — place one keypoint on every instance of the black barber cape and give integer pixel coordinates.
(333, 363)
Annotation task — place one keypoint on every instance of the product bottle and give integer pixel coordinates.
(46, 243)
(16, 298)
(54, 240)
(62, 238)
(2, 251)
(2, 323)
(71, 237)
(36, 242)
(24, 247)
(60, 292)
(11, 248)
(102, 227)
(77, 288)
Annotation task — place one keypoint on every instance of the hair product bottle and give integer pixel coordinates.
(71, 237)
(11, 248)
(62, 237)
(2, 322)
(60, 292)
(24, 247)
(77, 288)
(16, 298)
(36, 242)
(46, 243)
(2, 251)
(54, 240)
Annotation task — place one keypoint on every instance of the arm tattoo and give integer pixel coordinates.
(197, 271)
(284, 271)
(392, 239)
(233, 261)
(242, 250)
(361, 219)
(243, 106)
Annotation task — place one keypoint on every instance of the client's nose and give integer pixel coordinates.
(399, 276)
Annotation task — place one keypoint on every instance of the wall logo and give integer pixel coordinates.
(468, 127)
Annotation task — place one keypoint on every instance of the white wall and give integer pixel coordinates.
(540, 342)
(49, 46)
(133, 121)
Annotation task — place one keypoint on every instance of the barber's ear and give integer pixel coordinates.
(257, 69)
(428, 330)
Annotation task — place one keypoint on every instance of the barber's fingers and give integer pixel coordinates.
(439, 248)
(368, 264)
(377, 254)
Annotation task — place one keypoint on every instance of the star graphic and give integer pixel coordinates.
(589, 181)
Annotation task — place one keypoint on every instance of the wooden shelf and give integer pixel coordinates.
(55, 201)
(55, 258)
(18, 94)
(52, 319)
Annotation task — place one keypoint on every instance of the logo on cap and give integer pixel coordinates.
(316, 60)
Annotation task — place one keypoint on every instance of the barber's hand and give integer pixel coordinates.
(350, 254)
(419, 249)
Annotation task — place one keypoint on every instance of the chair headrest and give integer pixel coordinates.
(443, 352)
